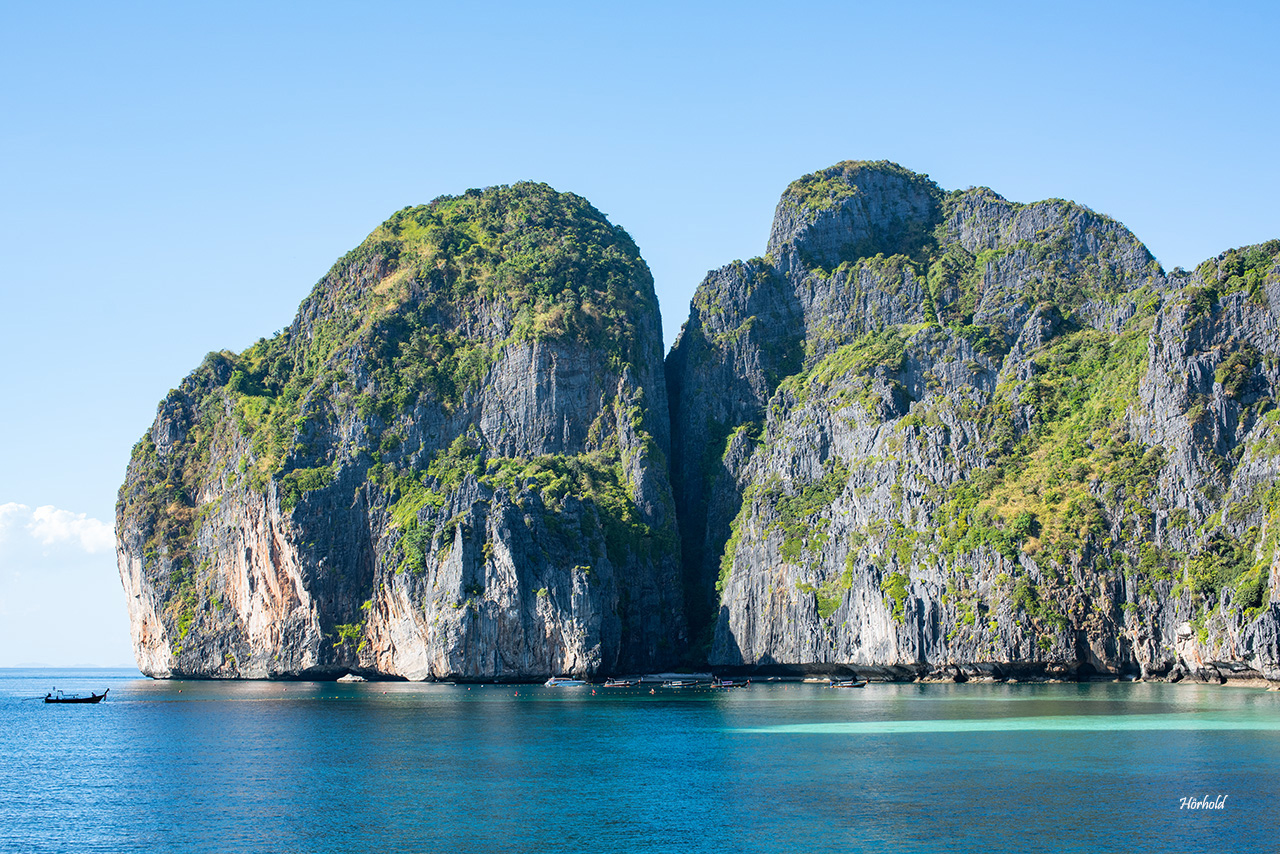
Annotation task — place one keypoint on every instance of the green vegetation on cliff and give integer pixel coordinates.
(596, 478)
(377, 388)
(1078, 454)
(828, 188)
(420, 311)
(1040, 431)
(1245, 269)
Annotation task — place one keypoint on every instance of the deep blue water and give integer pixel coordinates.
(313, 767)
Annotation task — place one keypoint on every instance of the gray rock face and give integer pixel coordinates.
(949, 436)
(928, 435)
(447, 467)
(853, 210)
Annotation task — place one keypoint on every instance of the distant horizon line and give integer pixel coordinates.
(28, 665)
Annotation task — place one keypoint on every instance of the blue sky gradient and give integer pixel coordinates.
(175, 179)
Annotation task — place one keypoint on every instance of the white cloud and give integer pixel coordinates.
(53, 561)
(51, 526)
(10, 512)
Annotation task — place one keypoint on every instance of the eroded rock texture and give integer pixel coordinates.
(943, 434)
(928, 434)
(451, 465)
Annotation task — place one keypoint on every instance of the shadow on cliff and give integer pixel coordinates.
(744, 335)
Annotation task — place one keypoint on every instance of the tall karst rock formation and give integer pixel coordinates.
(451, 464)
(927, 434)
(935, 433)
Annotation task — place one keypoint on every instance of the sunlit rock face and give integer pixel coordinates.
(928, 434)
(451, 465)
(942, 434)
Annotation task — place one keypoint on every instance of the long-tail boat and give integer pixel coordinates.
(56, 696)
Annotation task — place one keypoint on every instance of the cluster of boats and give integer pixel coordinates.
(570, 682)
(727, 684)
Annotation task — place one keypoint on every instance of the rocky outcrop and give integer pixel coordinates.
(928, 434)
(945, 435)
(451, 465)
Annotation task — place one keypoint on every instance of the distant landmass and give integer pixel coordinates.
(44, 665)
(927, 434)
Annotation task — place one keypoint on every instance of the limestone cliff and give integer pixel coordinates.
(940, 433)
(451, 465)
(928, 433)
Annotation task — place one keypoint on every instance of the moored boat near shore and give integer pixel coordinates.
(564, 682)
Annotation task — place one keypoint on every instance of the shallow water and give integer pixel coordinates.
(263, 766)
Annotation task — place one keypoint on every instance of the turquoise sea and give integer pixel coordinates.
(781, 767)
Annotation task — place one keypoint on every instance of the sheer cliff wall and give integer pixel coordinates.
(451, 465)
(941, 434)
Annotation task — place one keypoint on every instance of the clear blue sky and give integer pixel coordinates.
(173, 180)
